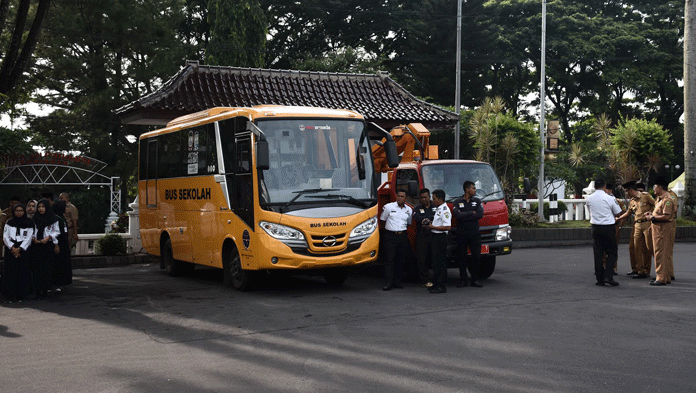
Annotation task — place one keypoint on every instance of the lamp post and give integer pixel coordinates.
(671, 170)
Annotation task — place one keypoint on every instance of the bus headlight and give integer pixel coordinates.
(363, 231)
(290, 236)
(503, 233)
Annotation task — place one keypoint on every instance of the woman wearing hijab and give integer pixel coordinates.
(31, 208)
(62, 273)
(17, 236)
(45, 248)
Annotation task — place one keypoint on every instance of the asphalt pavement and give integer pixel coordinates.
(538, 325)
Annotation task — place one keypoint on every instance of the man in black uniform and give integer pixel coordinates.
(423, 215)
(468, 210)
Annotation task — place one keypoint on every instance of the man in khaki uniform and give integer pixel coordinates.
(663, 220)
(71, 217)
(641, 238)
(675, 199)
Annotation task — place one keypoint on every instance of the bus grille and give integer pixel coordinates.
(305, 251)
(329, 241)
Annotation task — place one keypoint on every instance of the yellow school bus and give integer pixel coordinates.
(259, 189)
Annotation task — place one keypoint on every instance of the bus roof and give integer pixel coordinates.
(253, 113)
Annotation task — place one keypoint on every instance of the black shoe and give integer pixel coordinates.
(657, 283)
(616, 274)
(612, 282)
(399, 285)
(633, 273)
(641, 275)
(387, 287)
(476, 284)
(437, 290)
(462, 283)
(671, 278)
(600, 283)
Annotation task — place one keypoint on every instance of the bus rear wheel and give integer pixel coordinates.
(487, 266)
(174, 267)
(233, 273)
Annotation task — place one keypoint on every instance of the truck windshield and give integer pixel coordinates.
(450, 178)
(316, 162)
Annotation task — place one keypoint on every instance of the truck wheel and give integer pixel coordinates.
(487, 266)
(233, 273)
(336, 276)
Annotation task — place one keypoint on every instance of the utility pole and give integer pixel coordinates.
(457, 94)
(542, 104)
(690, 103)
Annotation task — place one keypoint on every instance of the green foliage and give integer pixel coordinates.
(16, 141)
(509, 145)
(641, 144)
(237, 33)
(523, 219)
(111, 244)
(562, 208)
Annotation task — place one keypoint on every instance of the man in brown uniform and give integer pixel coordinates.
(71, 217)
(662, 219)
(641, 238)
(675, 200)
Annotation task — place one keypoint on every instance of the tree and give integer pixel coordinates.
(509, 145)
(96, 57)
(15, 59)
(237, 34)
(690, 103)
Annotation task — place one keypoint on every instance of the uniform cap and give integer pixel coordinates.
(662, 182)
(631, 185)
(640, 185)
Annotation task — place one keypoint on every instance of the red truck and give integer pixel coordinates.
(414, 173)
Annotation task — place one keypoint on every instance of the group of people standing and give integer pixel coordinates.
(37, 243)
(653, 232)
(433, 220)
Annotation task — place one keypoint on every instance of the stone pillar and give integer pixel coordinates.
(111, 218)
(134, 227)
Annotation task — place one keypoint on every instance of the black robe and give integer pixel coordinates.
(62, 272)
(16, 272)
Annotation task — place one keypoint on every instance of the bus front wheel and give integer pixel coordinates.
(233, 273)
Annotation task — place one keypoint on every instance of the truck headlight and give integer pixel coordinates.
(503, 233)
(290, 236)
(363, 231)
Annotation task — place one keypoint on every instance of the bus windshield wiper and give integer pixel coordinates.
(345, 197)
(302, 192)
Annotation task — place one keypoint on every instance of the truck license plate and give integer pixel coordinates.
(484, 250)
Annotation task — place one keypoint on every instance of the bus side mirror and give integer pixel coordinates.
(527, 185)
(263, 161)
(361, 167)
(392, 155)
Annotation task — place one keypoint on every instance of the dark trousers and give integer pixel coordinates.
(439, 257)
(604, 241)
(471, 241)
(395, 247)
(423, 253)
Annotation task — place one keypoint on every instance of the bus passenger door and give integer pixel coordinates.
(150, 216)
(243, 204)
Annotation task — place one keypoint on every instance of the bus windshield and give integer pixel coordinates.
(316, 161)
(450, 178)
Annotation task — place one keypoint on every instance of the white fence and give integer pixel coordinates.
(577, 210)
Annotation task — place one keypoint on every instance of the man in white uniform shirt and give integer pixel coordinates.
(442, 223)
(603, 211)
(397, 217)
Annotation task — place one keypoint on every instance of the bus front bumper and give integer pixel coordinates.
(276, 255)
